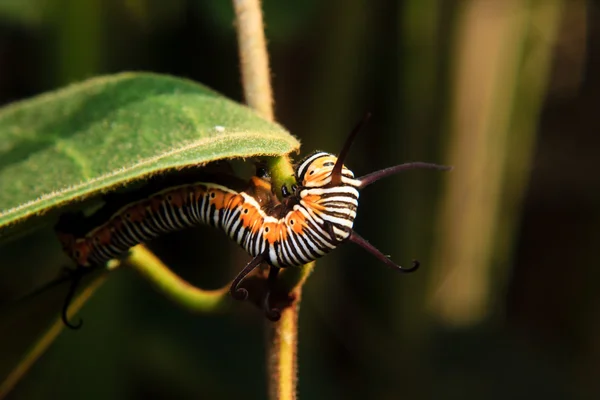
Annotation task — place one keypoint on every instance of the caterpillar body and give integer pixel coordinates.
(309, 222)
(249, 217)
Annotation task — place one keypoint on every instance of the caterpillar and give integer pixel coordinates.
(313, 218)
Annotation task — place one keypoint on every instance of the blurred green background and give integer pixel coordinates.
(506, 302)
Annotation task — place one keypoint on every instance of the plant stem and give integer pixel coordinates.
(282, 172)
(254, 67)
(173, 287)
(282, 353)
(282, 336)
(254, 59)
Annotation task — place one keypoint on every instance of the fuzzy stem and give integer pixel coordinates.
(173, 287)
(282, 172)
(282, 336)
(282, 353)
(254, 59)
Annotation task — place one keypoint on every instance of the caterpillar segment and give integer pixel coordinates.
(314, 218)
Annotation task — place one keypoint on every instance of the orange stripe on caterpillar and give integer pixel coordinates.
(275, 232)
(221, 199)
(297, 221)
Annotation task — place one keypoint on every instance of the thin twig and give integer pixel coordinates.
(150, 267)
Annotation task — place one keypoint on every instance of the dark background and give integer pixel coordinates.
(506, 302)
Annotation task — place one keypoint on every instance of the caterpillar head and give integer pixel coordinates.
(316, 170)
(324, 170)
(77, 249)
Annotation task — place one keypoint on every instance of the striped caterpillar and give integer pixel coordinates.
(309, 222)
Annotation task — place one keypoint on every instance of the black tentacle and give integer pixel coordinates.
(336, 172)
(356, 238)
(76, 276)
(377, 175)
(237, 292)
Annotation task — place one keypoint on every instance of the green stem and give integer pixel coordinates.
(282, 173)
(282, 336)
(293, 278)
(282, 357)
(173, 287)
(254, 58)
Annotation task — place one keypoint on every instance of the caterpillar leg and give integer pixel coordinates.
(273, 314)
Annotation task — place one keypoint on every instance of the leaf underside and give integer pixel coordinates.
(92, 137)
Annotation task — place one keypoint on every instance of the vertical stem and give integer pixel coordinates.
(282, 336)
(282, 358)
(254, 59)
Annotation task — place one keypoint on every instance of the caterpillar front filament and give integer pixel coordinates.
(312, 220)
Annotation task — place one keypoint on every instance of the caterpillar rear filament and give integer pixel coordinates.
(312, 220)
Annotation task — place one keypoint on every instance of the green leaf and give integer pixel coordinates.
(95, 136)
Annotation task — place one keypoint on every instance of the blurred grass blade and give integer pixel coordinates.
(500, 82)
